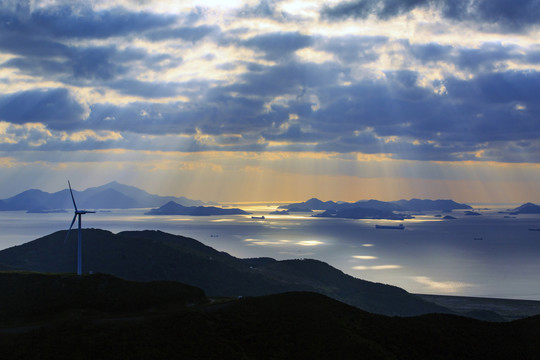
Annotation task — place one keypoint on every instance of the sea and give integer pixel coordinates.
(493, 255)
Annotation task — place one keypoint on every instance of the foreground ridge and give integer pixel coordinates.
(174, 321)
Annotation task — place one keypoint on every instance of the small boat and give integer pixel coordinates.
(390, 227)
(258, 217)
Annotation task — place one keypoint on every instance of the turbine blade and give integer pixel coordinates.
(72, 198)
(70, 226)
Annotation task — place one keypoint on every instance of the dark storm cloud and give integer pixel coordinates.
(263, 9)
(67, 22)
(489, 57)
(150, 90)
(295, 133)
(143, 118)
(72, 63)
(505, 15)
(214, 116)
(81, 64)
(432, 52)
(278, 45)
(509, 15)
(383, 9)
(486, 57)
(363, 49)
(193, 34)
(267, 9)
(40, 40)
(498, 88)
(56, 108)
(288, 78)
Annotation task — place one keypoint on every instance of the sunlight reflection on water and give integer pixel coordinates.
(430, 256)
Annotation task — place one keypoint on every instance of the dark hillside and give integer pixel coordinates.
(154, 255)
(285, 326)
(314, 275)
(31, 295)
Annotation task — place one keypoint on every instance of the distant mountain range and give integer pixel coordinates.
(109, 196)
(173, 208)
(154, 255)
(374, 209)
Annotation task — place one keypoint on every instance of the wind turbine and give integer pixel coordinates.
(79, 243)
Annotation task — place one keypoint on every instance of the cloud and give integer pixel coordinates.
(73, 22)
(56, 108)
(350, 49)
(186, 33)
(263, 9)
(290, 85)
(278, 45)
(490, 15)
(507, 15)
(362, 9)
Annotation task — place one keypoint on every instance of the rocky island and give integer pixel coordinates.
(173, 208)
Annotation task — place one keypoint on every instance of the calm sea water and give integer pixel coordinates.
(487, 255)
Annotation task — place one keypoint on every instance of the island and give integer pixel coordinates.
(527, 208)
(363, 213)
(173, 208)
(400, 205)
(375, 209)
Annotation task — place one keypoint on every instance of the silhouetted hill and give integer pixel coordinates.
(172, 208)
(295, 325)
(312, 204)
(154, 255)
(318, 276)
(528, 208)
(109, 196)
(32, 295)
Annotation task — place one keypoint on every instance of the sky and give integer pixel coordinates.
(273, 100)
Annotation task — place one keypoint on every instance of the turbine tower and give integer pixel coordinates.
(79, 243)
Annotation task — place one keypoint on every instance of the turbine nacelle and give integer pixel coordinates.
(81, 212)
